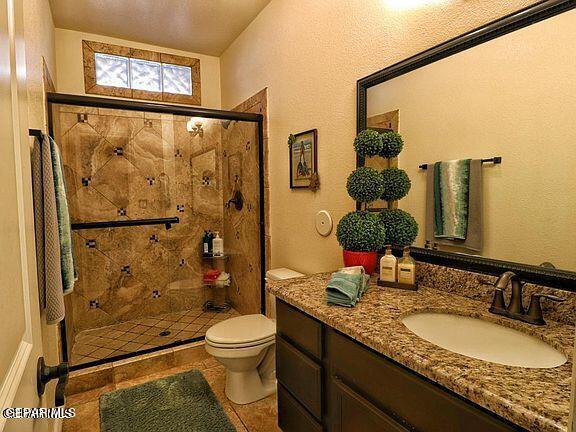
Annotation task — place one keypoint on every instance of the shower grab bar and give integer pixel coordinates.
(113, 224)
(126, 223)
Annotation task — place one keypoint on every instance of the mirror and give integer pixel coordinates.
(514, 97)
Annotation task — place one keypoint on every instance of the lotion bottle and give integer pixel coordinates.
(388, 266)
(218, 245)
(407, 268)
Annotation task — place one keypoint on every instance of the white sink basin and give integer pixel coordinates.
(484, 340)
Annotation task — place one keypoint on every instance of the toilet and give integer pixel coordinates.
(244, 345)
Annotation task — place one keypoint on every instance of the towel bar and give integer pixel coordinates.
(495, 160)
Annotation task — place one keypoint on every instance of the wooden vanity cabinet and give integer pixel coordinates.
(327, 381)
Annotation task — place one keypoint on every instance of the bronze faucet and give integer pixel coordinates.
(515, 308)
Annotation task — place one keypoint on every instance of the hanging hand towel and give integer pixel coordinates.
(48, 260)
(473, 235)
(451, 187)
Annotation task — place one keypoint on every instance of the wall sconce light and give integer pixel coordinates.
(194, 126)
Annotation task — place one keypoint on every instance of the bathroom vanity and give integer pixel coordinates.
(341, 369)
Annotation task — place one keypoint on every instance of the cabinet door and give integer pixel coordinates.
(292, 417)
(353, 413)
(301, 330)
(300, 375)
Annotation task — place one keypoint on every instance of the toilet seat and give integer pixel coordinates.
(241, 332)
(240, 345)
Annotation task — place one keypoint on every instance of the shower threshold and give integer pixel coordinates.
(143, 334)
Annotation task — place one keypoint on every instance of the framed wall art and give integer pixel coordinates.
(303, 160)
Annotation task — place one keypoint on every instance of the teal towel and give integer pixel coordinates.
(64, 226)
(451, 198)
(346, 289)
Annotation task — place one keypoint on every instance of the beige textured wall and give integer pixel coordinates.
(511, 97)
(71, 73)
(309, 53)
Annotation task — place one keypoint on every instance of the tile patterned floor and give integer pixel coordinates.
(260, 416)
(144, 333)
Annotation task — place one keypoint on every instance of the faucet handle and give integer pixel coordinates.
(534, 314)
(550, 297)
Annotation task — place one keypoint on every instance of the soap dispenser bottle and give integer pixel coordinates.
(218, 245)
(407, 268)
(388, 266)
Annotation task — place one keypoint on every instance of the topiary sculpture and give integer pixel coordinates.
(401, 227)
(365, 185)
(368, 143)
(396, 184)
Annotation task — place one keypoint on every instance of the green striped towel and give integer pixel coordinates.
(451, 193)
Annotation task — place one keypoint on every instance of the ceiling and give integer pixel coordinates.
(200, 26)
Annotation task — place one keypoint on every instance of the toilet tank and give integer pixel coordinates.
(277, 274)
(282, 273)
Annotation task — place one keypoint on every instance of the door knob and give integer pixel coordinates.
(46, 374)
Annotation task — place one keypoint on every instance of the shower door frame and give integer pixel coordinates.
(183, 110)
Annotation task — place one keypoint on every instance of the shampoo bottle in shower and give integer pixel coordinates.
(407, 268)
(206, 244)
(218, 245)
(388, 266)
(210, 243)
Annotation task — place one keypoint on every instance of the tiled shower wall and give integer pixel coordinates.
(136, 165)
(242, 228)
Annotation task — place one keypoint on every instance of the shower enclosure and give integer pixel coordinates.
(144, 182)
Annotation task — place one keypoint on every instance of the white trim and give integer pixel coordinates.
(13, 377)
(18, 162)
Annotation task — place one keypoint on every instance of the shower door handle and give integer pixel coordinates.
(46, 374)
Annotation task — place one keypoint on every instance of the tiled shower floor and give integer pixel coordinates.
(143, 333)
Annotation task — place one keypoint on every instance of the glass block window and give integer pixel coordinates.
(112, 71)
(177, 79)
(145, 75)
(119, 71)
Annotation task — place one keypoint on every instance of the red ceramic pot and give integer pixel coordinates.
(367, 260)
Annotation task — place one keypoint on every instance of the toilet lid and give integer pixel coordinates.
(245, 329)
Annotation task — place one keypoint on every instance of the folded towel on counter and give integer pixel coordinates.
(454, 204)
(347, 286)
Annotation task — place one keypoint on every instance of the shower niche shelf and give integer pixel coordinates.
(218, 294)
(215, 257)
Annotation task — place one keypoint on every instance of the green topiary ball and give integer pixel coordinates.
(365, 185)
(401, 227)
(361, 231)
(392, 145)
(368, 143)
(396, 184)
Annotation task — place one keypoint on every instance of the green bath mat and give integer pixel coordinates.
(178, 403)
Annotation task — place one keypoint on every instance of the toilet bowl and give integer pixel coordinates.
(245, 346)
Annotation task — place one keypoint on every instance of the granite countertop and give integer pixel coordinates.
(536, 399)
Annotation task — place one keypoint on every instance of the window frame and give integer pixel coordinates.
(90, 48)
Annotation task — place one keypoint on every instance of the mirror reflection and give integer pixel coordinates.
(512, 98)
